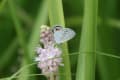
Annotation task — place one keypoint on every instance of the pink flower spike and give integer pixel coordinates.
(49, 57)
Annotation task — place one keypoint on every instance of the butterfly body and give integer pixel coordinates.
(62, 34)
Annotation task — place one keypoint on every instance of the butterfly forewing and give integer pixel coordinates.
(63, 34)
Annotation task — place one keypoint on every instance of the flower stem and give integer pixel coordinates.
(52, 76)
(57, 18)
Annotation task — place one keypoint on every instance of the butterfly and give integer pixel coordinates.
(62, 34)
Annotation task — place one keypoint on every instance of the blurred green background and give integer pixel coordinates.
(108, 34)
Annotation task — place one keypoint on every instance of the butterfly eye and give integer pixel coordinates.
(57, 29)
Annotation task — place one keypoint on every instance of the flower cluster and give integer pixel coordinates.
(49, 56)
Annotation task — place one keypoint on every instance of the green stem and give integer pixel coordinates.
(52, 76)
(20, 70)
(86, 61)
(57, 18)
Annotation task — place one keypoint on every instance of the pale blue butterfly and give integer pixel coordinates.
(62, 34)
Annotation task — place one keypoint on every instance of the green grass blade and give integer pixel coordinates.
(20, 35)
(24, 74)
(56, 17)
(2, 4)
(18, 28)
(21, 70)
(86, 61)
(41, 19)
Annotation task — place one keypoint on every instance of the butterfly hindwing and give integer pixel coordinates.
(67, 34)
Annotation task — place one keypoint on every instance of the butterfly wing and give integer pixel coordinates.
(58, 36)
(64, 35)
(67, 34)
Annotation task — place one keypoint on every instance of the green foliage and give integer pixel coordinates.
(20, 22)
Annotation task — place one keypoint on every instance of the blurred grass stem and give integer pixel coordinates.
(18, 27)
(86, 61)
(41, 19)
(2, 4)
(21, 38)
